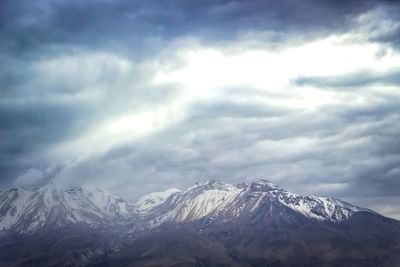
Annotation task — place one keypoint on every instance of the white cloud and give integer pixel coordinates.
(208, 69)
(31, 177)
(37, 177)
(204, 74)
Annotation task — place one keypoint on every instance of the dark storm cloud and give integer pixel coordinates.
(44, 26)
(29, 127)
(391, 16)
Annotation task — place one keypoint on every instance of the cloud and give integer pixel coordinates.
(161, 95)
(145, 26)
(31, 177)
(381, 24)
(62, 98)
(37, 177)
(353, 80)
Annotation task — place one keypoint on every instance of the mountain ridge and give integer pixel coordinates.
(27, 210)
(208, 224)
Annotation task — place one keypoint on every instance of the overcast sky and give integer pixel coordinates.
(140, 96)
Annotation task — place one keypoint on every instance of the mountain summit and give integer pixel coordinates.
(216, 199)
(208, 224)
(50, 206)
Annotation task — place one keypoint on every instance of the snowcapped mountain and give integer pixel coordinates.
(50, 206)
(195, 203)
(226, 202)
(208, 224)
(147, 202)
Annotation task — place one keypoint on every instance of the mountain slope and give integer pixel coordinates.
(219, 201)
(148, 202)
(30, 210)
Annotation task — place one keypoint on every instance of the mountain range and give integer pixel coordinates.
(208, 224)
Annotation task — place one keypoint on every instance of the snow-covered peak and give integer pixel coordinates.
(217, 199)
(26, 210)
(211, 185)
(215, 184)
(152, 200)
(263, 185)
(196, 202)
(319, 208)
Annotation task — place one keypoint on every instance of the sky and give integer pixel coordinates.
(140, 96)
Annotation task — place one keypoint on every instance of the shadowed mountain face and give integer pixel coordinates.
(209, 224)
